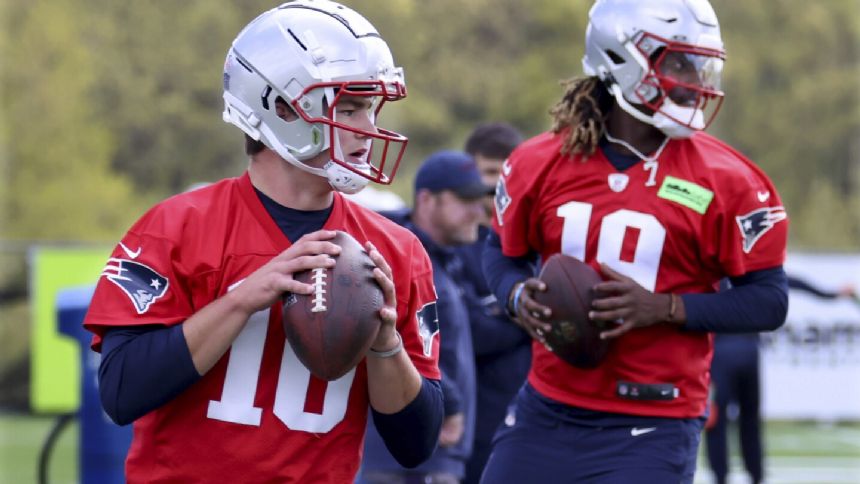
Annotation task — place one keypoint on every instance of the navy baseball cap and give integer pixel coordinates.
(451, 170)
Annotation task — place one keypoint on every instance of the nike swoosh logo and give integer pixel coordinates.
(636, 431)
(763, 196)
(131, 254)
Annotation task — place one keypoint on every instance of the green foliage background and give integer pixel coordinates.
(107, 107)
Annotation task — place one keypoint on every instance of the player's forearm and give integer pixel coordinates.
(757, 302)
(503, 273)
(211, 331)
(411, 434)
(142, 368)
(392, 382)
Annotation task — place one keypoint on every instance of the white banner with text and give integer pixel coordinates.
(811, 365)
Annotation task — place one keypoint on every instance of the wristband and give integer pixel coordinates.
(673, 305)
(389, 353)
(515, 302)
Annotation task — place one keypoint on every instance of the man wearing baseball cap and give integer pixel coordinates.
(451, 170)
(448, 193)
(448, 206)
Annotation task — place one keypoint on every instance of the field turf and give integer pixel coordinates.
(797, 453)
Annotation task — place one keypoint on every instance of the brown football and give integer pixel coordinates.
(331, 329)
(574, 337)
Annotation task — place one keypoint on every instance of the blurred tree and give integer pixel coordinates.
(472, 61)
(107, 94)
(58, 182)
(159, 84)
(793, 105)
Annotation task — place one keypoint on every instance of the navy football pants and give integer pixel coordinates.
(548, 442)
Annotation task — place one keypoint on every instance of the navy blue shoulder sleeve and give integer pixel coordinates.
(757, 301)
(502, 272)
(142, 368)
(411, 434)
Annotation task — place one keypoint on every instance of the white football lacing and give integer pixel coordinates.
(318, 276)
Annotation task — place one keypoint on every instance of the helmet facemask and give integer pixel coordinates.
(681, 86)
(379, 157)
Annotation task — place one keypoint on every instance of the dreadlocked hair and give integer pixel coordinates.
(582, 111)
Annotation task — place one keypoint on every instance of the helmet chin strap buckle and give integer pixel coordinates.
(343, 180)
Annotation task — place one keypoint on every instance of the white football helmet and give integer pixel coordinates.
(665, 55)
(309, 53)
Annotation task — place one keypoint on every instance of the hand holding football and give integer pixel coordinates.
(331, 329)
(574, 337)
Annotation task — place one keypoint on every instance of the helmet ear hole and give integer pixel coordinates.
(284, 110)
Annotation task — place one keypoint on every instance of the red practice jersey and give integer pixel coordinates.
(258, 415)
(700, 213)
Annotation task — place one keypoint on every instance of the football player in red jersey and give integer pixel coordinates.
(187, 313)
(628, 182)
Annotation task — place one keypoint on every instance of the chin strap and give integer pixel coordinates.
(340, 178)
(661, 120)
(626, 106)
(664, 120)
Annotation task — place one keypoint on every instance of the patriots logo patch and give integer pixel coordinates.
(756, 223)
(139, 282)
(428, 326)
(501, 200)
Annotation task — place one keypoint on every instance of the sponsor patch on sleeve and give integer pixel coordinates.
(688, 194)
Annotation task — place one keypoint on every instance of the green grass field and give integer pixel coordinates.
(21, 438)
(800, 453)
(797, 453)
